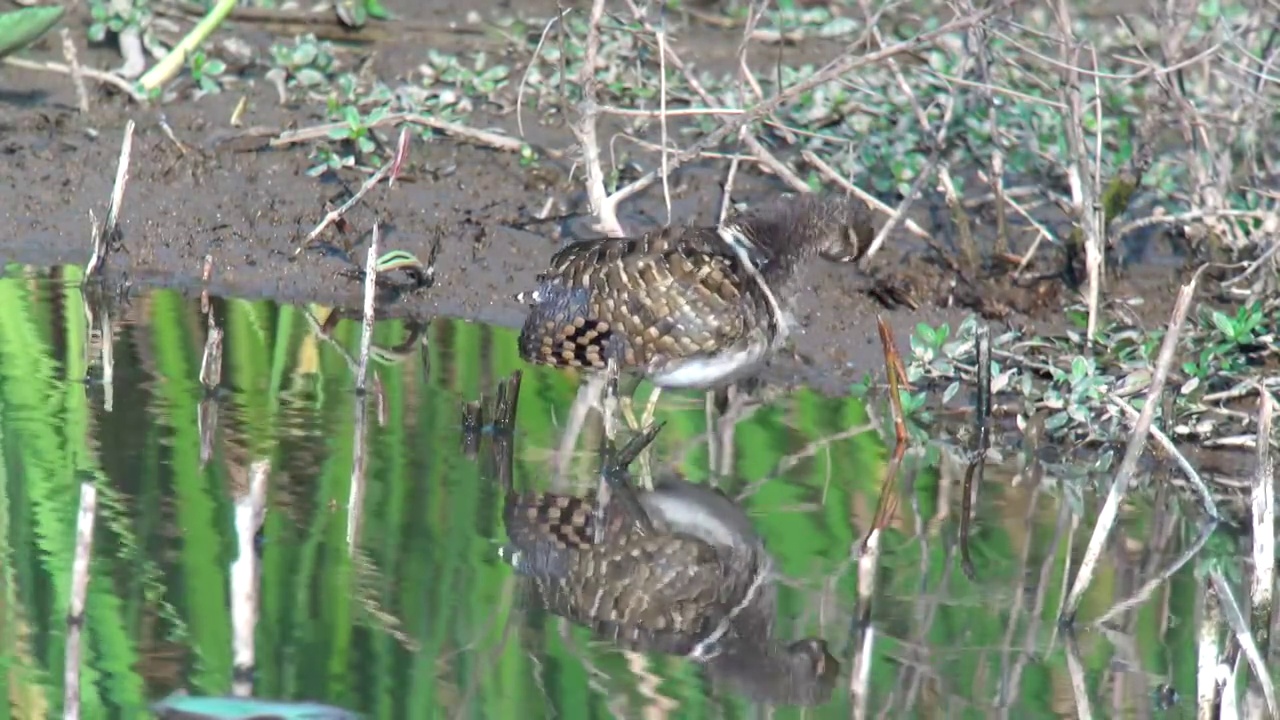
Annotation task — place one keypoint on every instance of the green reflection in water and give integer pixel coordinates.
(415, 622)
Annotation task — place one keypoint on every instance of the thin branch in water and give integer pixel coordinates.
(369, 308)
(1129, 465)
(1263, 512)
(981, 442)
(249, 514)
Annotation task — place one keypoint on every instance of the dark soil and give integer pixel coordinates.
(248, 207)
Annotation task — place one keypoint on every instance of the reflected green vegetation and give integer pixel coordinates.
(422, 620)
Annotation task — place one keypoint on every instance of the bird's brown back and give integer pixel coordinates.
(672, 293)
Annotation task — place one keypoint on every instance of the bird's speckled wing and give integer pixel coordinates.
(673, 293)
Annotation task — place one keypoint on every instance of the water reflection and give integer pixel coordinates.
(677, 569)
(410, 612)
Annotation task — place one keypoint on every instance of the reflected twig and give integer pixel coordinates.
(1209, 673)
(888, 493)
(79, 590)
(210, 378)
(249, 514)
(1021, 579)
(1004, 699)
(101, 321)
(359, 472)
(869, 557)
(360, 462)
(981, 441)
(1166, 444)
(1263, 511)
(1144, 592)
(1245, 641)
(1079, 685)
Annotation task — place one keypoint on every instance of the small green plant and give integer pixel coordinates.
(308, 63)
(106, 16)
(206, 71)
(355, 138)
(1241, 328)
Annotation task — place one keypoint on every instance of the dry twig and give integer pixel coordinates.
(1106, 517)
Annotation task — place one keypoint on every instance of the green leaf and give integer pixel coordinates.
(1079, 369)
(376, 10)
(926, 334)
(1223, 323)
(20, 28)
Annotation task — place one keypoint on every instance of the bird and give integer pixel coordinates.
(678, 569)
(686, 306)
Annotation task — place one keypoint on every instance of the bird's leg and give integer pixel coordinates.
(615, 474)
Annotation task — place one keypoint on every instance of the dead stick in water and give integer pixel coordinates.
(981, 441)
(1120, 486)
(109, 232)
(249, 514)
(79, 590)
(1263, 510)
(359, 464)
(370, 295)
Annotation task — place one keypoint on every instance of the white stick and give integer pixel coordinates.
(79, 590)
(250, 511)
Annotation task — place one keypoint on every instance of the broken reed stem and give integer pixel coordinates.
(79, 590)
(1137, 443)
(108, 232)
(370, 296)
(1263, 511)
(1084, 197)
(249, 514)
(336, 214)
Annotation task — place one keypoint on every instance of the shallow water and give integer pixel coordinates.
(417, 617)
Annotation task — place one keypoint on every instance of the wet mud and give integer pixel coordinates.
(211, 191)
